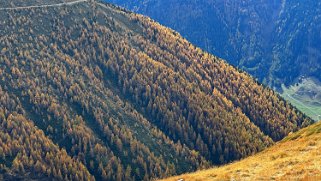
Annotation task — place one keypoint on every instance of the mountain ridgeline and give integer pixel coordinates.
(276, 41)
(92, 92)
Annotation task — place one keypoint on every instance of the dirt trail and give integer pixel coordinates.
(43, 6)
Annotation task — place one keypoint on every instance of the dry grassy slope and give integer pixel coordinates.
(297, 157)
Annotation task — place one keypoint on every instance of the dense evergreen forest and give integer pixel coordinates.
(89, 91)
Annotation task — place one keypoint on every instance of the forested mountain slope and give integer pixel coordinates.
(277, 41)
(231, 29)
(297, 157)
(297, 49)
(106, 94)
(280, 37)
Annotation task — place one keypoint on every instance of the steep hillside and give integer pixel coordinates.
(297, 157)
(297, 52)
(281, 37)
(121, 97)
(237, 31)
(278, 41)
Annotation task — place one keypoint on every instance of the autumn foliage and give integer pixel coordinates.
(109, 95)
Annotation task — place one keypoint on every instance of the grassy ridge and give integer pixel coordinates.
(297, 157)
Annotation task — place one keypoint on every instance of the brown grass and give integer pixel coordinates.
(297, 157)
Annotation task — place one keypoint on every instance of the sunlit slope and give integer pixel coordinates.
(126, 97)
(297, 157)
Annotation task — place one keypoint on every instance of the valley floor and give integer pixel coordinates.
(306, 96)
(297, 157)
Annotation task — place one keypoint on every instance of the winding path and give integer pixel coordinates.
(46, 5)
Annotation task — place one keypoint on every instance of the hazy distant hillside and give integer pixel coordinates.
(297, 157)
(276, 41)
(91, 92)
(297, 49)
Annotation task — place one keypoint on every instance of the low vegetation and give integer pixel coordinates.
(306, 96)
(297, 157)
